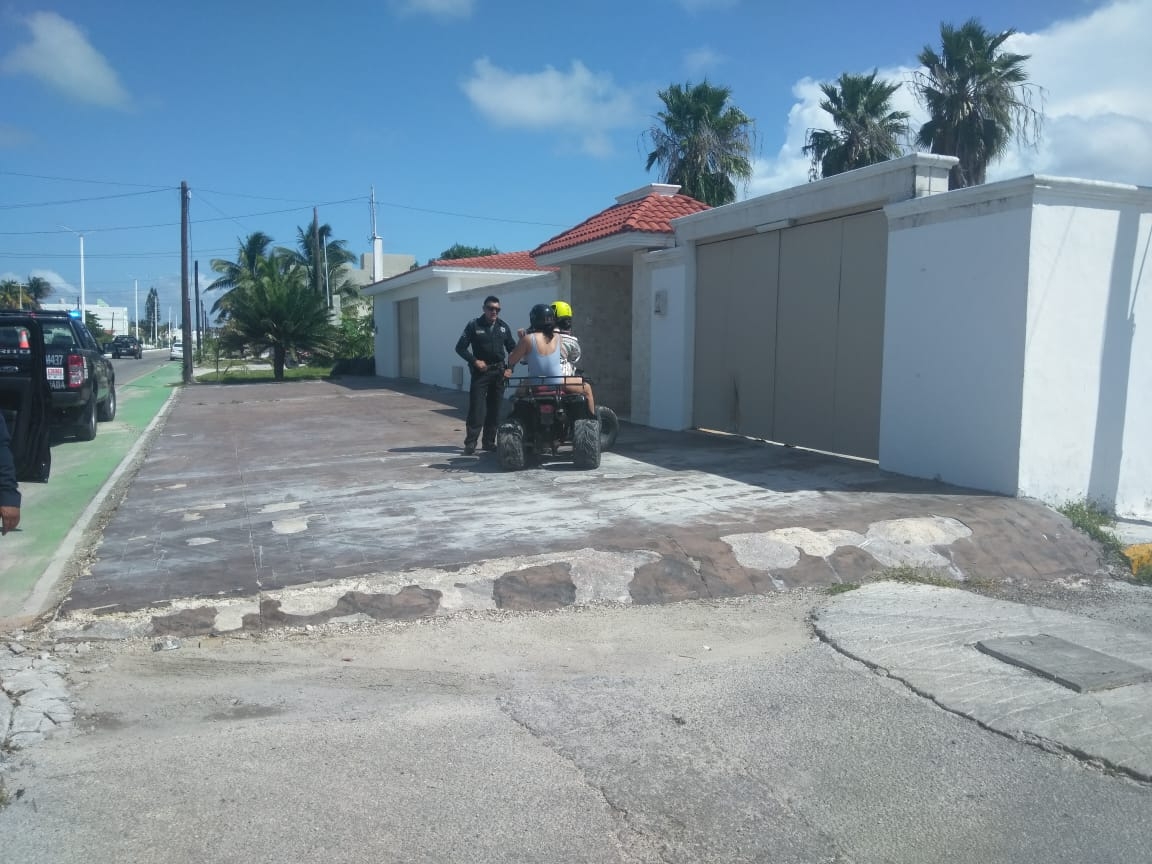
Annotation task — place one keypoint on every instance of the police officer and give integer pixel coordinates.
(484, 345)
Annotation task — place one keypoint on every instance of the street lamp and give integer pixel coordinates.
(83, 299)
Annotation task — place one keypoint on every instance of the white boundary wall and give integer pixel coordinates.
(1018, 353)
(667, 307)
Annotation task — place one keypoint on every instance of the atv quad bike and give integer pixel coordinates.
(548, 422)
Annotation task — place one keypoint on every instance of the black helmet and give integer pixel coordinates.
(542, 317)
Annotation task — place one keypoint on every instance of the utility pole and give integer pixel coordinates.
(327, 287)
(316, 248)
(136, 300)
(196, 282)
(185, 310)
(83, 299)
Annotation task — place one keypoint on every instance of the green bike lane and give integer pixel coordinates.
(55, 516)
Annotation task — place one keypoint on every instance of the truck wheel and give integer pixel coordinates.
(86, 427)
(510, 446)
(586, 444)
(609, 427)
(106, 410)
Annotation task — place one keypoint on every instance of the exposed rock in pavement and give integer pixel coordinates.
(34, 697)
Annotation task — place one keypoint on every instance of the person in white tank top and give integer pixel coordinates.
(541, 346)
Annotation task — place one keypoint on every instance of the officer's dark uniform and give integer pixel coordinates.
(9, 491)
(490, 343)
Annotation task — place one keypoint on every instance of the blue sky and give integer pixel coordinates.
(477, 121)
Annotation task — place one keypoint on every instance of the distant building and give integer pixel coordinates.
(114, 319)
(366, 274)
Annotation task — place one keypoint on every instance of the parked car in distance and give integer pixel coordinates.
(126, 346)
(177, 351)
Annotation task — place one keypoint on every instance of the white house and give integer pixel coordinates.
(421, 313)
(995, 337)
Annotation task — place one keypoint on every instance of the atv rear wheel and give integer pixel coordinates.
(510, 446)
(609, 427)
(586, 444)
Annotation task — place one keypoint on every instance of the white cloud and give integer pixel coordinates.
(435, 8)
(60, 285)
(578, 101)
(61, 56)
(1098, 108)
(701, 60)
(789, 167)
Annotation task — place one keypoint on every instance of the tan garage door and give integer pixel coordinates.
(790, 334)
(408, 337)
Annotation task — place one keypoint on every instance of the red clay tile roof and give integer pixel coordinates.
(501, 261)
(650, 214)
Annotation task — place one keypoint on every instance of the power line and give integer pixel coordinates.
(304, 205)
(177, 224)
(153, 186)
(243, 227)
(72, 256)
(79, 200)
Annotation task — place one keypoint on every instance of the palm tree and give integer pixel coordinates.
(38, 288)
(24, 295)
(702, 143)
(12, 294)
(251, 249)
(333, 255)
(978, 99)
(273, 306)
(867, 129)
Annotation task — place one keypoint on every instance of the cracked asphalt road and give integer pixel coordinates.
(713, 730)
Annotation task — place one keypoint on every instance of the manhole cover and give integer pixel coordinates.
(1067, 663)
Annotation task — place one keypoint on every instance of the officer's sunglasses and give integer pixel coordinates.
(491, 308)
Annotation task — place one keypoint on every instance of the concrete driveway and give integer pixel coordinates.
(301, 503)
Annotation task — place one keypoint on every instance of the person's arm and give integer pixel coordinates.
(517, 353)
(572, 344)
(509, 341)
(464, 343)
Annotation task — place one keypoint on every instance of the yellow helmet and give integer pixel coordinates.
(563, 310)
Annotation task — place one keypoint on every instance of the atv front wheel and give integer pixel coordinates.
(510, 446)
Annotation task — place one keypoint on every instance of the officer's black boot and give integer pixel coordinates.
(470, 439)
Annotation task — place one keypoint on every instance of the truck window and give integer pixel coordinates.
(58, 337)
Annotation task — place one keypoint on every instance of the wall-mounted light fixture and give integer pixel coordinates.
(778, 225)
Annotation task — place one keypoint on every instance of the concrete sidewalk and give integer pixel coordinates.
(926, 637)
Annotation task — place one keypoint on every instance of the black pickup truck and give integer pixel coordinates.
(25, 397)
(82, 381)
